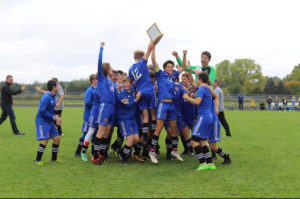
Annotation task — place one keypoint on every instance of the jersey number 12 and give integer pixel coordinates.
(136, 74)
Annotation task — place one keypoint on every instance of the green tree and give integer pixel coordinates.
(295, 74)
(270, 86)
(293, 87)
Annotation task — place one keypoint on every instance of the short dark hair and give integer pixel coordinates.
(168, 62)
(8, 76)
(115, 72)
(50, 84)
(217, 82)
(120, 72)
(54, 79)
(92, 77)
(207, 54)
(152, 74)
(203, 76)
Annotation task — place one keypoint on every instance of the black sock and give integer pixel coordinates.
(145, 128)
(40, 152)
(174, 143)
(97, 147)
(213, 153)
(79, 147)
(137, 148)
(154, 143)
(221, 153)
(54, 151)
(183, 143)
(153, 125)
(103, 147)
(59, 130)
(84, 149)
(168, 146)
(189, 145)
(206, 154)
(199, 154)
(125, 152)
(93, 147)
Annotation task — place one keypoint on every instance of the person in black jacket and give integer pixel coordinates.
(7, 102)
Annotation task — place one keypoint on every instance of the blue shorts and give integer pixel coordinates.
(45, 131)
(128, 127)
(106, 114)
(214, 134)
(139, 118)
(93, 116)
(178, 123)
(165, 111)
(203, 126)
(189, 124)
(85, 127)
(147, 101)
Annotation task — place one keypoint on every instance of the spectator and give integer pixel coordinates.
(252, 104)
(276, 103)
(7, 102)
(241, 101)
(269, 101)
(284, 102)
(293, 103)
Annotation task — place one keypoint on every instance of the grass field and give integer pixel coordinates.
(264, 150)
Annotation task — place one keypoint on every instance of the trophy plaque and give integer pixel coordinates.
(154, 34)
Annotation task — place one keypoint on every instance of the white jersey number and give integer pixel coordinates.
(136, 74)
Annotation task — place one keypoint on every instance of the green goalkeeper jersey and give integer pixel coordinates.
(209, 69)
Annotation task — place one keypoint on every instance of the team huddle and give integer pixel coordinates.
(139, 106)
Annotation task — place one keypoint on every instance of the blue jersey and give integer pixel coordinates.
(139, 73)
(179, 92)
(105, 87)
(187, 110)
(165, 84)
(127, 111)
(213, 110)
(206, 103)
(88, 102)
(46, 112)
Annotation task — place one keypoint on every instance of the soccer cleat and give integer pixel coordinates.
(138, 158)
(77, 154)
(153, 157)
(96, 161)
(83, 157)
(202, 167)
(214, 157)
(185, 152)
(226, 136)
(211, 166)
(227, 160)
(145, 158)
(176, 155)
(115, 148)
(38, 163)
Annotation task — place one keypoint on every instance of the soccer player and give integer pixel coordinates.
(45, 128)
(188, 115)
(139, 73)
(203, 124)
(127, 118)
(7, 102)
(88, 104)
(165, 108)
(107, 92)
(205, 58)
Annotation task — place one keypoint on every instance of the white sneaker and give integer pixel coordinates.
(176, 155)
(153, 157)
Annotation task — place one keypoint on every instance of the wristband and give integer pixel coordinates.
(153, 47)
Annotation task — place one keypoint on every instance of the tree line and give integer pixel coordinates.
(242, 75)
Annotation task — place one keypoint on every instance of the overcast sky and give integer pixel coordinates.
(44, 39)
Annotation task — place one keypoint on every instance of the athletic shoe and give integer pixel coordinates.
(38, 163)
(83, 157)
(145, 158)
(211, 166)
(115, 148)
(176, 155)
(227, 160)
(153, 157)
(77, 154)
(202, 167)
(169, 157)
(138, 158)
(19, 133)
(226, 136)
(96, 161)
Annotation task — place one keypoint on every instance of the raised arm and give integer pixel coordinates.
(179, 61)
(183, 65)
(100, 70)
(149, 49)
(192, 81)
(38, 88)
(153, 58)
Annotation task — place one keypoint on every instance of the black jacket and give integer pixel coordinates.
(6, 95)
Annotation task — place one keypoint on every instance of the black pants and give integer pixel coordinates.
(224, 123)
(241, 107)
(58, 112)
(9, 111)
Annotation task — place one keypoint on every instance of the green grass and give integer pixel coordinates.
(264, 149)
